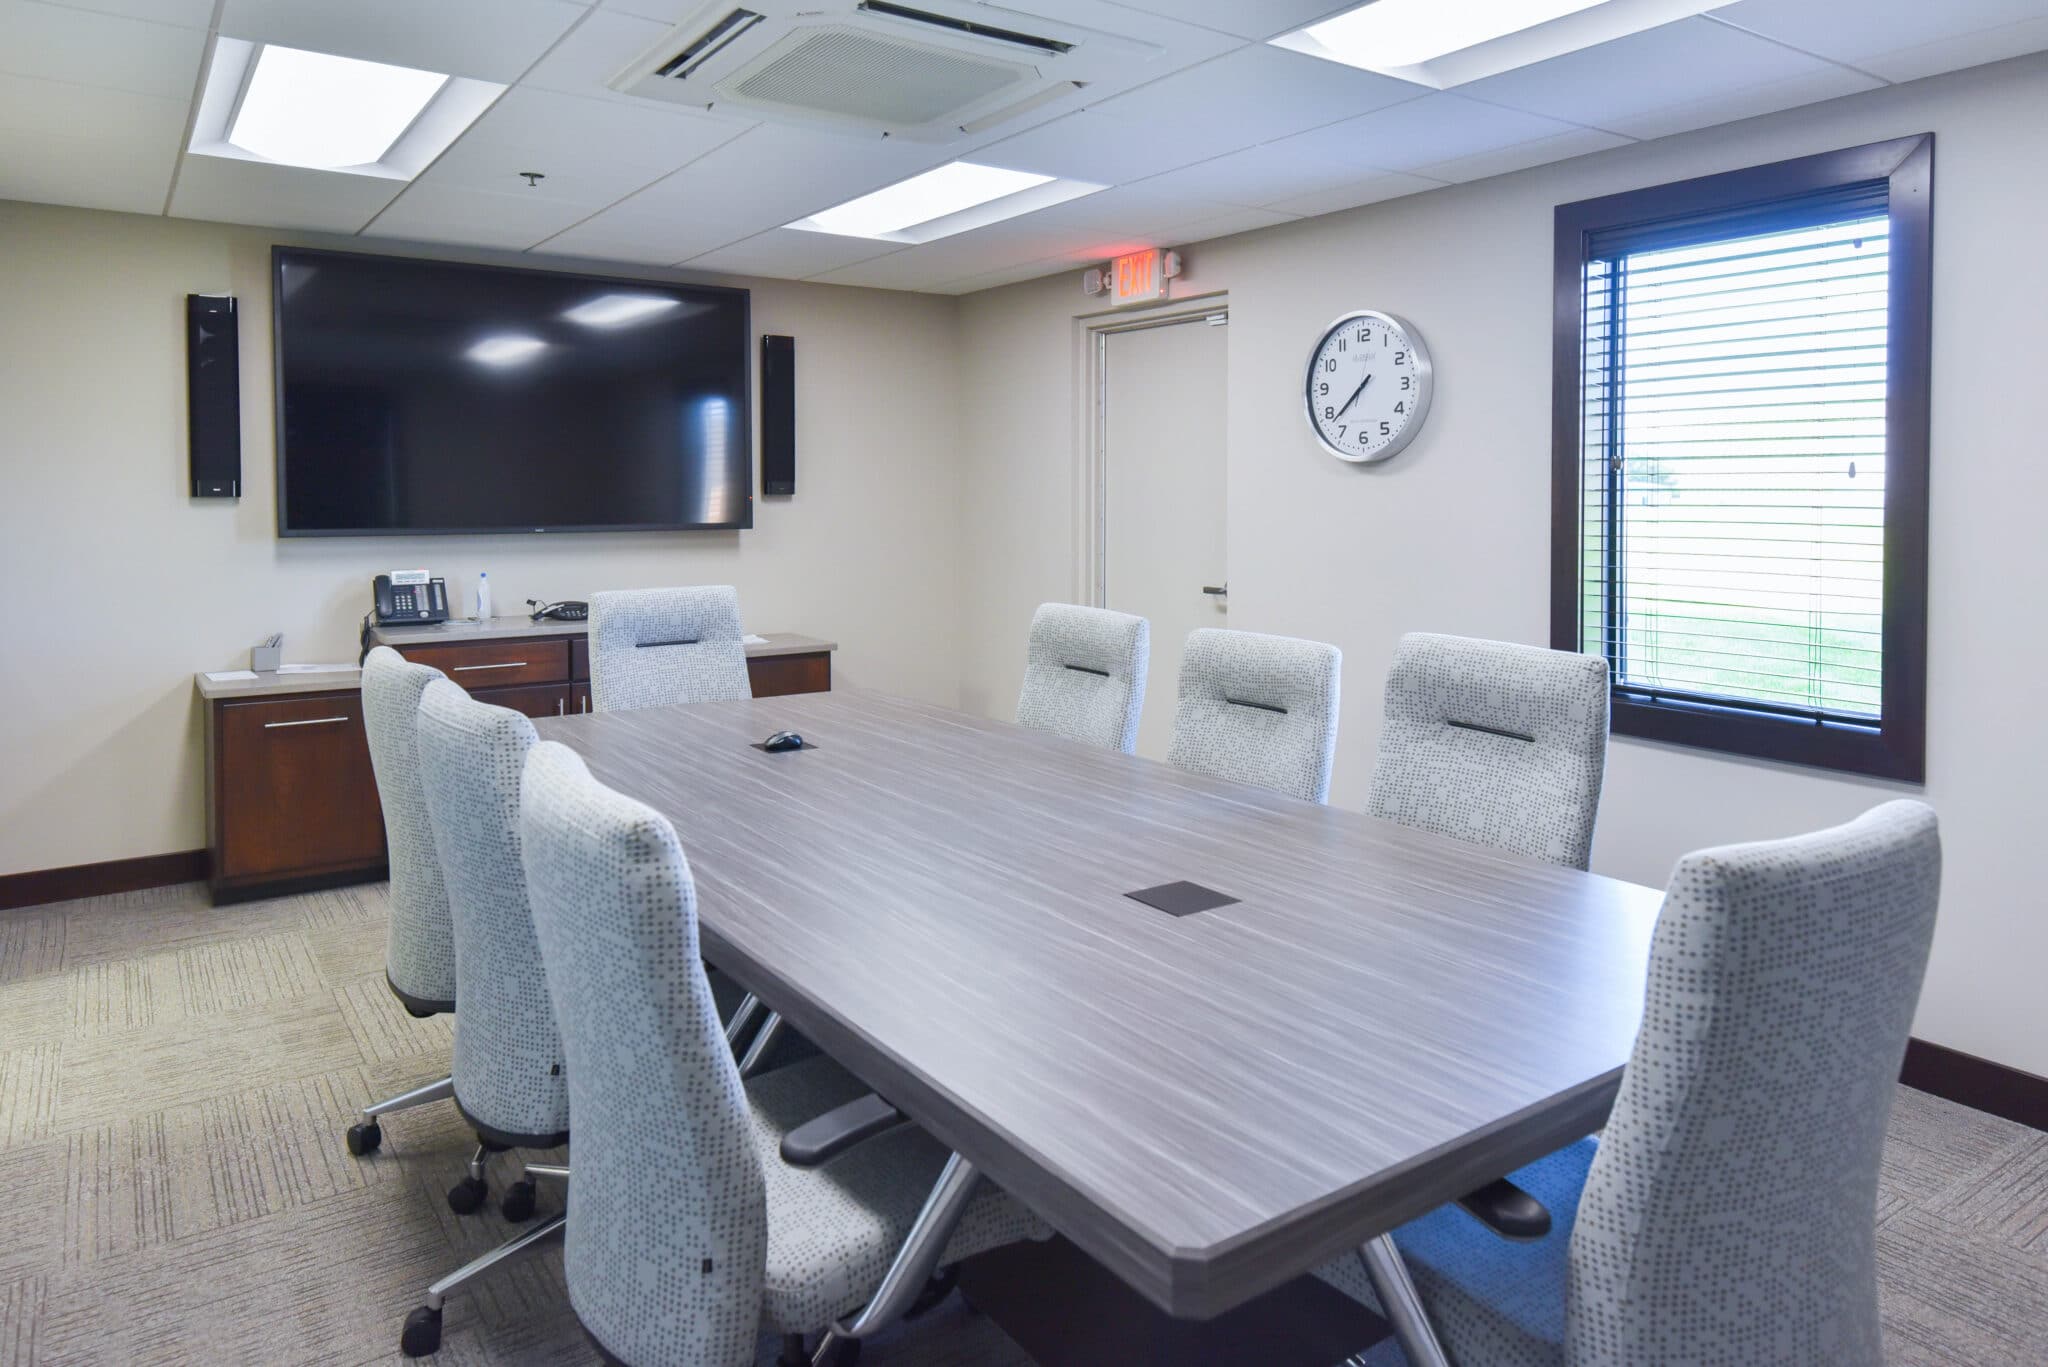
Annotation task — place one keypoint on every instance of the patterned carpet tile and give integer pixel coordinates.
(1953, 1295)
(31, 942)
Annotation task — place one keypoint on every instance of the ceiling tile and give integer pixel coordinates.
(1629, 79)
(1252, 95)
(767, 177)
(1224, 225)
(791, 254)
(1264, 19)
(229, 190)
(60, 44)
(1575, 142)
(667, 11)
(1320, 159)
(1012, 275)
(1827, 83)
(1963, 50)
(1370, 190)
(1439, 128)
(73, 144)
(183, 13)
(443, 213)
(1090, 147)
(552, 129)
(594, 52)
(489, 40)
(1879, 29)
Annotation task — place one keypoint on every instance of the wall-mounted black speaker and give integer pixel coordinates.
(778, 415)
(213, 389)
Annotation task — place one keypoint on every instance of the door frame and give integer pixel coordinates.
(1091, 492)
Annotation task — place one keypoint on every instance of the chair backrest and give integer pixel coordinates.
(1258, 709)
(651, 1080)
(660, 647)
(419, 946)
(1730, 1214)
(1500, 744)
(508, 1055)
(1084, 677)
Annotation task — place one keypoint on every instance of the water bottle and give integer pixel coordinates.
(483, 597)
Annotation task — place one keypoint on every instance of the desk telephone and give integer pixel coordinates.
(410, 596)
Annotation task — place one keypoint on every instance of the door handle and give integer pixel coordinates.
(1217, 590)
(560, 704)
(310, 721)
(509, 664)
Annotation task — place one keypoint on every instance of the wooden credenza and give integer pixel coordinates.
(291, 801)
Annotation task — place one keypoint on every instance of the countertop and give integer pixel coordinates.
(266, 685)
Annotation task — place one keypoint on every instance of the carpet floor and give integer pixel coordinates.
(175, 1079)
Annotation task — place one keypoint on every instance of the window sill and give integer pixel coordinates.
(1876, 751)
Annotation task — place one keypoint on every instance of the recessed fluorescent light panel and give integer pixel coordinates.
(619, 310)
(506, 349)
(286, 106)
(951, 199)
(1435, 43)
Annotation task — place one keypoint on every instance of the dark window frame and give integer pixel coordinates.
(1895, 747)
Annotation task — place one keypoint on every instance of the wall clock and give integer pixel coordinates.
(1368, 386)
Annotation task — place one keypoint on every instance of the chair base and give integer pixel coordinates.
(366, 1136)
(419, 1007)
(422, 1332)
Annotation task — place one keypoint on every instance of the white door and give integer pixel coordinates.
(1161, 451)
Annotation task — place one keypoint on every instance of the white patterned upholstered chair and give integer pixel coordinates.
(1258, 709)
(508, 1055)
(1499, 744)
(735, 1241)
(660, 647)
(1728, 1212)
(419, 947)
(1084, 677)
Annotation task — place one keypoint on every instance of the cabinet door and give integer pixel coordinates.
(495, 664)
(775, 676)
(539, 700)
(297, 795)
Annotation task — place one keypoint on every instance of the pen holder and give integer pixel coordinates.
(266, 659)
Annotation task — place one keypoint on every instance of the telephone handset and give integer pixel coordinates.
(410, 596)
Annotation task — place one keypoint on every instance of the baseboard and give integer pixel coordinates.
(1976, 1082)
(95, 880)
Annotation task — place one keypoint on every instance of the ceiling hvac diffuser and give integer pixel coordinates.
(929, 72)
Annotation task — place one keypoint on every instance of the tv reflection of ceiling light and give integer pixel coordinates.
(618, 310)
(506, 349)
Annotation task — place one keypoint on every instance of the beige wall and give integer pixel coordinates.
(119, 586)
(1453, 535)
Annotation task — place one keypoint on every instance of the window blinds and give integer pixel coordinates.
(1733, 457)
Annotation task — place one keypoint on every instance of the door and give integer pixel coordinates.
(297, 794)
(1160, 454)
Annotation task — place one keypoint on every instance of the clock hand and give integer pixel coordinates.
(1354, 394)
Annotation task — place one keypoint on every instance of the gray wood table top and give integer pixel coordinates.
(1209, 1105)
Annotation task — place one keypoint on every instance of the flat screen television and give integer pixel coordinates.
(435, 397)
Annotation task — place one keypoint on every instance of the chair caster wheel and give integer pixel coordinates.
(422, 1333)
(519, 1201)
(364, 1138)
(467, 1196)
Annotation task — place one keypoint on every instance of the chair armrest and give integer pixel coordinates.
(838, 1130)
(1507, 1210)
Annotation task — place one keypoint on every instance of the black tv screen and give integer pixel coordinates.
(434, 397)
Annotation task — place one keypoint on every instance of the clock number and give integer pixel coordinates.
(1385, 430)
(1401, 407)
(1323, 388)
(1330, 363)
(1340, 431)
(1329, 414)
(1364, 337)
(1340, 344)
(1400, 358)
(1404, 382)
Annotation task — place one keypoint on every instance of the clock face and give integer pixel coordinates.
(1368, 386)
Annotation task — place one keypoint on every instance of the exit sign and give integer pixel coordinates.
(1138, 277)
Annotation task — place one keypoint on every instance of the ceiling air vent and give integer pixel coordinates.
(872, 66)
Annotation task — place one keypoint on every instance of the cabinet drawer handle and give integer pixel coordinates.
(509, 664)
(310, 721)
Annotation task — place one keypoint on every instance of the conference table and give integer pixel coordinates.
(1207, 1104)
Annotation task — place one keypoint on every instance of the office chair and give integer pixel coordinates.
(739, 1238)
(660, 647)
(419, 946)
(1258, 709)
(1502, 745)
(1499, 744)
(1084, 677)
(1727, 1213)
(508, 1080)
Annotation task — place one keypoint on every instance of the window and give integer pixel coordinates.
(1739, 432)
